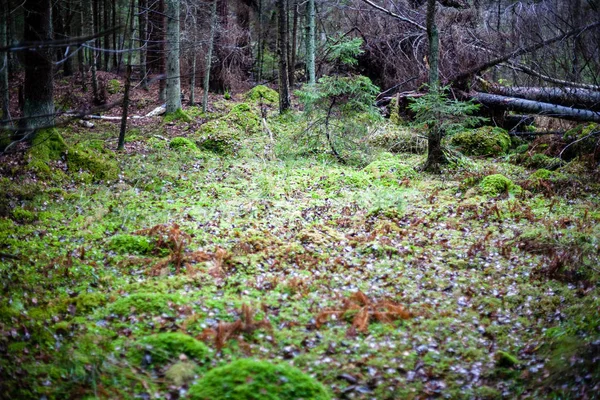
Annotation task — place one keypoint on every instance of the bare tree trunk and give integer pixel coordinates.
(435, 154)
(565, 96)
(293, 44)
(211, 43)
(284, 88)
(498, 102)
(121, 143)
(143, 24)
(38, 107)
(259, 51)
(81, 54)
(173, 72)
(107, 36)
(193, 81)
(310, 43)
(92, 53)
(4, 89)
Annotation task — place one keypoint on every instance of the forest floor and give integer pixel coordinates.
(380, 281)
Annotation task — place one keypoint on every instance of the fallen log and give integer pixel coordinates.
(507, 103)
(564, 96)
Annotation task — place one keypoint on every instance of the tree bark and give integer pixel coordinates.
(435, 153)
(310, 43)
(143, 23)
(125, 108)
(38, 107)
(173, 73)
(499, 102)
(4, 89)
(564, 96)
(211, 42)
(284, 88)
(293, 43)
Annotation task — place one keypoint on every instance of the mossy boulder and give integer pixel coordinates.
(182, 144)
(47, 145)
(537, 160)
(218, 137)
(484, 141)
(505, 359)
(389, 171)
(262, 94)
(248, 379)
(496, 184)
(131, 244)
(584, 139)
(113, 86)
(99, 164)
(150, 303)
(245, 118)
(397, 139)
(178, 115)
(181, 372)
(164, 347)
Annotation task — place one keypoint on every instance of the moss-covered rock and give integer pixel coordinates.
(98, 164)
(496, 184)
(389, 171)
(584, 139)
(150, 303)
(166, 346)
(399, 140)
(262, 94)
(181, 144)
(113, 86)
(484, 141)
(537, 160)
(244, 117)
(47, 145)
(247, 379)
(218, 137)
(131, 244)
(178, 115)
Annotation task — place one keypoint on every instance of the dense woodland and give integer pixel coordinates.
(253, 199)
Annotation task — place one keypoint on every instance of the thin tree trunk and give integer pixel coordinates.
(435, 153)
(142, 25)
(121, 143)
(114, 34)
(193, 81)
(310, 43)
(293, 44)
(284, 88)
(105, 9)
(259, 50)
(211, 42)
(81, 53)
(38, 106)
(173, 73)
(4, 89)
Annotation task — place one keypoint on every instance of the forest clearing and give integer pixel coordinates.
(299, 232)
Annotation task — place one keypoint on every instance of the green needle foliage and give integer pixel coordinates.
(340, 108)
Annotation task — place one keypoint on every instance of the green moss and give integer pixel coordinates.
(484, 141)
(488, 393)
(389, 171)
(181, 143)
(181, 373)
(178, 115)
(130, 244)
(522, 148)
(505, 360)
(247, 379)
(22, 215)
(496, 184)
(218, 137)
(245, 118)
(167, 346)
(113, 86)
(399, 140)
(151, 303)
(99, 165)
(46, 146)
(262, 94)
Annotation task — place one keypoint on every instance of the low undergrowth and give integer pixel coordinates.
(377, 281)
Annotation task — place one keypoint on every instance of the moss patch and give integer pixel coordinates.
(131, 244)
(47, 145)
(181, 144)
(178, 115)
(113, 86)
(496, 184)
(151, 303)
(218, 137)
(251, 379)
(262, 94)
(484, 141)
(388, 170)
(167, 346)
(99, 165)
